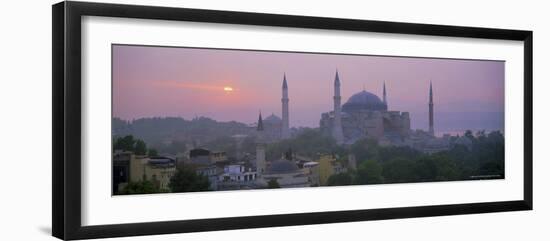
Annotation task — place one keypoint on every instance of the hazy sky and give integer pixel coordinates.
(185, 82)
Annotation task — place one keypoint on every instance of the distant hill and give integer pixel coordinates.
(159, 131)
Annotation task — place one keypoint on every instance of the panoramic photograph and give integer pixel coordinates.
(202, 119)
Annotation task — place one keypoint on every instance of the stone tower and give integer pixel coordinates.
(337, 132)
(285, 131)
(260, 146)
(431, 106)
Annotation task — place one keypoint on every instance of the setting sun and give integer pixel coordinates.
(227, 89)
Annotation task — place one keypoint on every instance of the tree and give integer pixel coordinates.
(140, 148)
(369, 172)
(124, 143)
(129, 143)
(310, 142)
(400, 170)
(273, 184)
(187, 180)
(340, 179)
(391, 152)
(141, 187)
(365, 149)
(152, 152)
(425, 169)
(447, 169)
(492, 168)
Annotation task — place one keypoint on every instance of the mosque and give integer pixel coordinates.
(364, 115)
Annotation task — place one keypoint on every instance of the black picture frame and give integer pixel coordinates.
(66, 158)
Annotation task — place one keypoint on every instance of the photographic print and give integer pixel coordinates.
(342, 114)
(202, 119)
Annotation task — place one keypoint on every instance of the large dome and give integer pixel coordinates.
(363, 101)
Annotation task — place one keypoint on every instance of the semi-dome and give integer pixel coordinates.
(364, 100)
(282, 166)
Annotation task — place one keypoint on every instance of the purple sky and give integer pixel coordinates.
(184, 82)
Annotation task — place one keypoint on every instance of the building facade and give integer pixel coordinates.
(328, 166)
(128, 167)
(237, 176)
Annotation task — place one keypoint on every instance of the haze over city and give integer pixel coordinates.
(228, 85)
(373, 119)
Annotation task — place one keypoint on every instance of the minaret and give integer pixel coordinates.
(260, 146)
(384, 94)
(260, 127)
(285, 131)
(431, 105)
(337, 132)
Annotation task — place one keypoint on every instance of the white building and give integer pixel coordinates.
(237, 176)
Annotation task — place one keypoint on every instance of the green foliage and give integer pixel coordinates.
(129, 143)
(369, 172)
(310, 143)
(424, 168)
(187, 180)
(490, 149)
(400, 170)
(447, 169)
(392, 152)
(340, 179)
(126, 143)
(152, 152)
(140, 148)
(365, 149)
(403, 164)
(142, 187)
(273, 184)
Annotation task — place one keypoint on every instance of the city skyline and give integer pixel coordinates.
(380, 120)
(229, 85)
